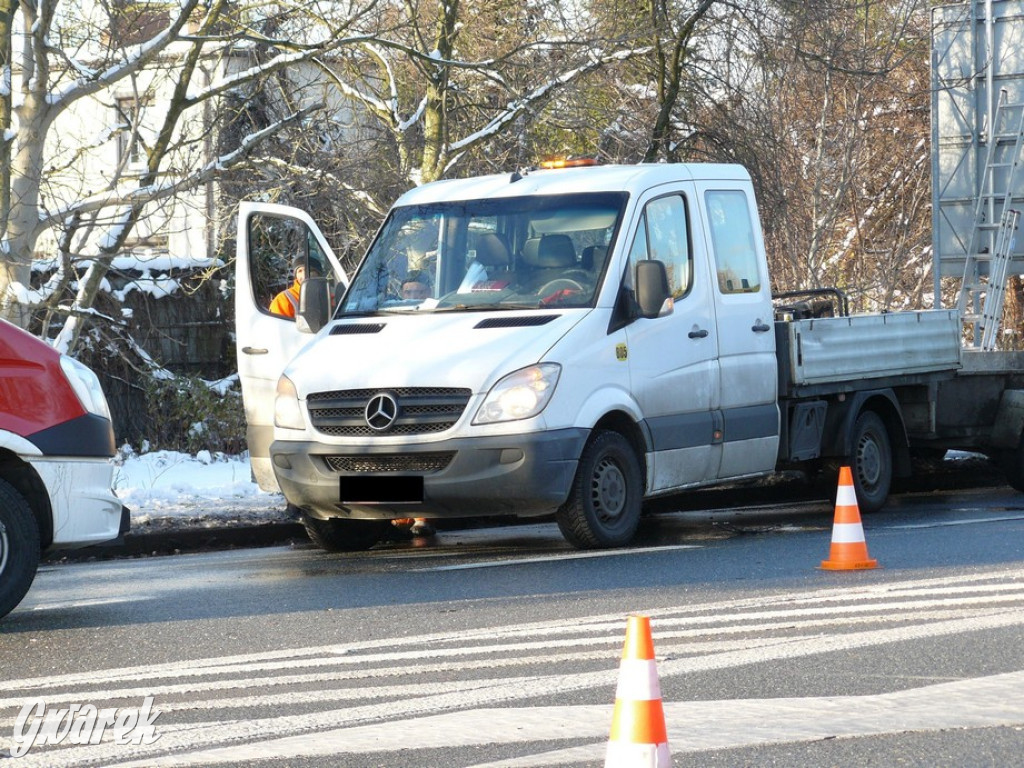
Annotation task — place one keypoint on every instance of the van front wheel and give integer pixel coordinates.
(19, 547)
(344, 535)
(603, 508)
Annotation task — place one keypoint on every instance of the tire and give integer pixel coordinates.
(19, 547)
(603, 508)
(1012, 463)
(871, 462)
(336, 535)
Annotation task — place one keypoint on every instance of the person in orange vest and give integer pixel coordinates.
(287, 301)
(417, 526)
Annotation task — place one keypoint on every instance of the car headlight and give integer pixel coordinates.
(520, 395)
(86, 385)
(287, 410)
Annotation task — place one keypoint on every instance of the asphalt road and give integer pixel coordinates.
(500, 647)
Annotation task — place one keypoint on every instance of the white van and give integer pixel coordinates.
(559, 341)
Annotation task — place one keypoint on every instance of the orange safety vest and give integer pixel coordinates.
(286, 302)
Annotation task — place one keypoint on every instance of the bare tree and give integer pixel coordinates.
(830, 113)
(673, 30)
(459, 79)
(68, 55)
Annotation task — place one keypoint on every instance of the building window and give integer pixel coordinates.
(131, 151)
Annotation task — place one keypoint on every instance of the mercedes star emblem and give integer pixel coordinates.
(381, 411)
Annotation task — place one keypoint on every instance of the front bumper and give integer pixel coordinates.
(85, 509)
(523, 475)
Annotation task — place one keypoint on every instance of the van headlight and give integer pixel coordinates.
(521, 395)
(86, 385)
(287, 409)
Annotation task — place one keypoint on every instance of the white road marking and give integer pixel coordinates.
(377, 688)
(88, 603)
(1005, 581)
(697, 726)
(947, 523)
(692, 726)
(394, 665)
(558, 556)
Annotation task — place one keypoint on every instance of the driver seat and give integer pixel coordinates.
(547, 258)
(550, 252)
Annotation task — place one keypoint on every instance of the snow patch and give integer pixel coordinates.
(170, 489)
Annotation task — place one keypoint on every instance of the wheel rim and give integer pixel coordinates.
(869, 461)
(608, 490)
(4, 548)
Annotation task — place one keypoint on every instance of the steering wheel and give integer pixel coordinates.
(560, 284)
(558, 290)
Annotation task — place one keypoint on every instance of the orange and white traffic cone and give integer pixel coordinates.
(849, 550)
(638, 737)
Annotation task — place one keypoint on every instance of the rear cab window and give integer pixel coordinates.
(732, 241)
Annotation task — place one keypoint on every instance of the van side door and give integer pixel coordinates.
(270, 237)
(746, 325)
(673, 359)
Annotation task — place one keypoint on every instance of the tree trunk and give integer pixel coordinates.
(23, 226)
(435, 117)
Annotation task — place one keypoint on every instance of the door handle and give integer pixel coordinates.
(698, 333)
(761, 328)
(254, 351)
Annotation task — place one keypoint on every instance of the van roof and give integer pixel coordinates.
(601, 178)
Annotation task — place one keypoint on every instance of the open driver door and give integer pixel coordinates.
(272, 239)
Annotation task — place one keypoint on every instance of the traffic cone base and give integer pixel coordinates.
(638, 738)
(849, 550)
(850, 565)
(637, 756)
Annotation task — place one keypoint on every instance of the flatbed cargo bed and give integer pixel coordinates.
(839, 352)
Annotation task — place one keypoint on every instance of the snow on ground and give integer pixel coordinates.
(168, 489)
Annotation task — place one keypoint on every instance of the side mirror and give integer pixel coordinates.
(314, 305)
(653, 297)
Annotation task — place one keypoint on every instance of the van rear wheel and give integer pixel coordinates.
(603, 508)
(871, 463)
(19, 547)
(1012, 463)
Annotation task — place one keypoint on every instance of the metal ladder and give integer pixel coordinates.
(981, 299)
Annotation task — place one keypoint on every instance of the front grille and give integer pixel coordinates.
(398, 462)
(421, 410)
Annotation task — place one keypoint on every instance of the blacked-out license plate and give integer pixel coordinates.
(392, 489)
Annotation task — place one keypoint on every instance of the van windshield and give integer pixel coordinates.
(533, 252)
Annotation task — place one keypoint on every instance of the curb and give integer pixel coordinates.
(174, 541)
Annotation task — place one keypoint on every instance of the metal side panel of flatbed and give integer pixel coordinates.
(982, 407)
(864, 347)
(1000, 362)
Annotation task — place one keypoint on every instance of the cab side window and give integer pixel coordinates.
(664, 234)
(732, 239)
(277, 245)
(274, 242)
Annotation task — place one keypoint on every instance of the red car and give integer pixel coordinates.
(56, 442)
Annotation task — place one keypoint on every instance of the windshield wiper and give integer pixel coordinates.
(360, 313)
(483, 307)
